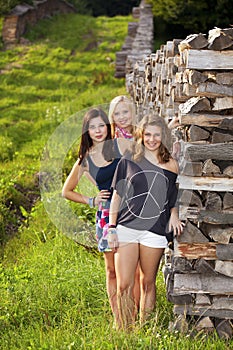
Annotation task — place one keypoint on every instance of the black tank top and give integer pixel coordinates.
(103, 175)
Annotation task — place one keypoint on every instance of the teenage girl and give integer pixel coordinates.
(122, 118)
(98, 157)
(143, 209)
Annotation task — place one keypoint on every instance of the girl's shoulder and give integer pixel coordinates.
(172, 165)
(83, 165)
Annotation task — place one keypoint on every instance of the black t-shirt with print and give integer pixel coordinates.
(147, 193)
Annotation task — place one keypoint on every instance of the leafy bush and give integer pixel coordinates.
(194, 15)
(81, 6)
(7, 6)
(92, 7)
(112, 8)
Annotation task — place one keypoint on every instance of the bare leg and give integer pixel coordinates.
(136, 289)
(111, 283)
(149, 260)
(126, 260)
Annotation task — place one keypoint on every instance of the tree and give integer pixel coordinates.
(93, 7)
(194, 15)
(111, 7)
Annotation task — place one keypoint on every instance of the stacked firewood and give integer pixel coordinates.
(138, 42)
(22, 16)
(192, 80)
(151, 82)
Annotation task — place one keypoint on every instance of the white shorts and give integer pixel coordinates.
(147, 238)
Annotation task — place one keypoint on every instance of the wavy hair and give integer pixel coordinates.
(112, 106)
(164, 149)
(86, 141)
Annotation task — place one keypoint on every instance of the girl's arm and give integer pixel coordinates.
(113, 213)
(114, 208)
(175, 224)
(68, 190)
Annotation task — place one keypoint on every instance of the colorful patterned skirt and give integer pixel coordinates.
(102, 223)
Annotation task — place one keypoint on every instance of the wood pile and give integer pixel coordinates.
(192, 80)
(138, 42)
(16, 23)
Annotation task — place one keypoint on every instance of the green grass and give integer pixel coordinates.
(53, 297)
(52, 290)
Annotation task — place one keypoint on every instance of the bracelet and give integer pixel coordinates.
(91, 202)
(112, 226)
(112, 231)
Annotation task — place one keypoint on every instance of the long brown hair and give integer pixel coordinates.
(139, 149)
(86, 141)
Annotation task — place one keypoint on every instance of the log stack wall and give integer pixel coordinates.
(192, 80)
(138, 42)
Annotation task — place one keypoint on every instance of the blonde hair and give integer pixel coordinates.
(115, 101)
(164, 149)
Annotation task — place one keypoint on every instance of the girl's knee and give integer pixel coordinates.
(111, 273)
(124, 287)
(147, 284)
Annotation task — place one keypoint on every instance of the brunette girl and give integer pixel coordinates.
(98, 157)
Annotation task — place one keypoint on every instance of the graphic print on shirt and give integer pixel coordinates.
(147, 203)
(147, 193)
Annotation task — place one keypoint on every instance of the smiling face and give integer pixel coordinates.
(122, 116)
(97, 130)
(152, 137)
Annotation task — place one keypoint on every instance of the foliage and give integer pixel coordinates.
(104, 8)
(95, 8)
(81, 6)
(111, 7)
(194, 15)
(6, 6)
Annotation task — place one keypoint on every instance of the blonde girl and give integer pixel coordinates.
(122, 117)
